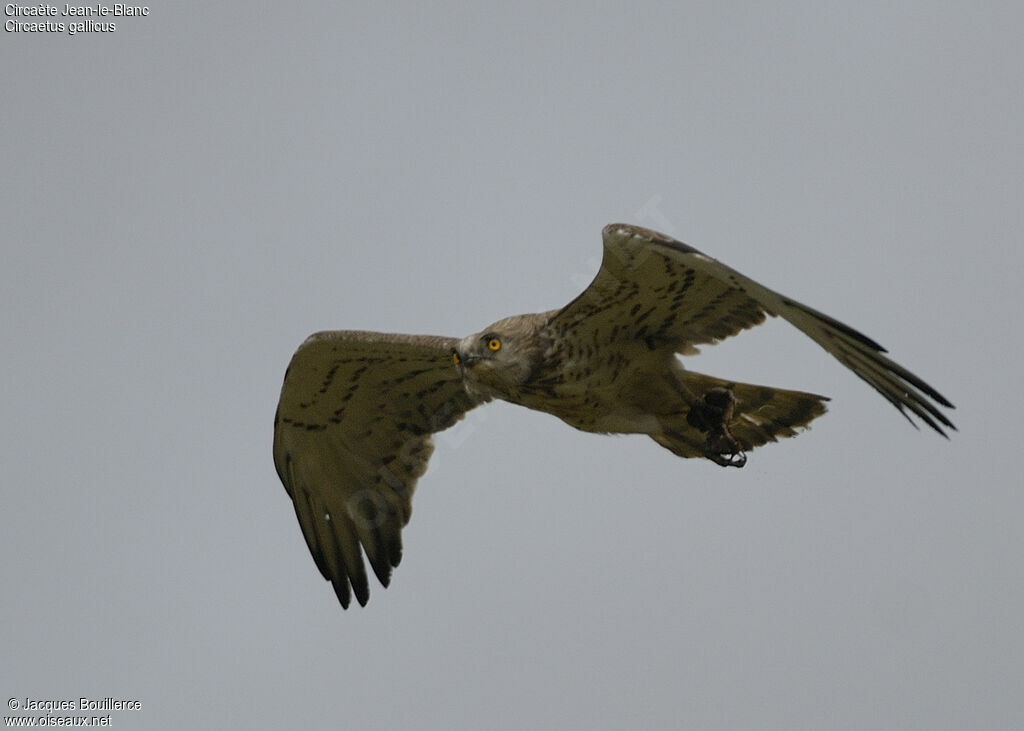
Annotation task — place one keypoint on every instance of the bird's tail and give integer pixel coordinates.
(758, 415)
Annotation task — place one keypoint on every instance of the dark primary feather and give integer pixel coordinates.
(654, 288)
(351, 437)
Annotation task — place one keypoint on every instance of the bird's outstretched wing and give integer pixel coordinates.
(657, 290)
(351, 437)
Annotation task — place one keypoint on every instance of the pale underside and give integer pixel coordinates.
(352, 431)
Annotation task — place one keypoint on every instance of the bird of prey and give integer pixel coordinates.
(353, 427)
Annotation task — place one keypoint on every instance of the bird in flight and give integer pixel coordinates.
(352, 433)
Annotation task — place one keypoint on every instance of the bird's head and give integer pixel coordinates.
(495, 362)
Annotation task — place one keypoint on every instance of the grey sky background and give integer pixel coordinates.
(187, 198)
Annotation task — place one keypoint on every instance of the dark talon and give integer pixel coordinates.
(723, 450)
(712, 414)
(734, 459)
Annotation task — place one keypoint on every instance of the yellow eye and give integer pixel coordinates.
(494, 345)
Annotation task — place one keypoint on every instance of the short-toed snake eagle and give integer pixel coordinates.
(353, 428)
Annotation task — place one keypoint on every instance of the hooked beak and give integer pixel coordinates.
(462, 361)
